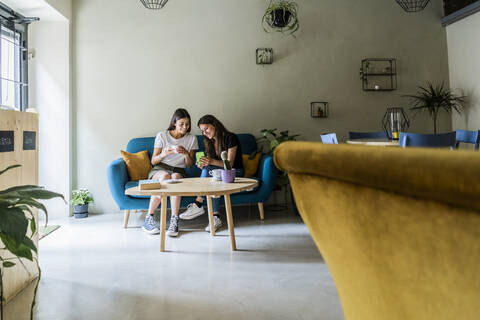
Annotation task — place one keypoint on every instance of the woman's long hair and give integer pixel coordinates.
(180, 113)
(218, 139)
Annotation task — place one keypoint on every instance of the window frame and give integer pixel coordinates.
(17, 23)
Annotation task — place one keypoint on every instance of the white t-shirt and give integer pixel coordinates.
(165, 140)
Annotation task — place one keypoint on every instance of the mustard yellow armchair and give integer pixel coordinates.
(398, 228)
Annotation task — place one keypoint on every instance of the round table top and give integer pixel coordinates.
(378, 143)
(196, 187)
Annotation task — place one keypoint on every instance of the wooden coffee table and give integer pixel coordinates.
(198, 187)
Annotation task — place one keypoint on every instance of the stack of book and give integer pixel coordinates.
(149, 184)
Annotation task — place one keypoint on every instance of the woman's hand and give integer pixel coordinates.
(204, 161)
(166, 152)
(182, 150)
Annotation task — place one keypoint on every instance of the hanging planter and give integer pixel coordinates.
(413, 5)
(154, 4)
(281, 16)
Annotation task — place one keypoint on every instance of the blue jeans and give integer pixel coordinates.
(216, 201)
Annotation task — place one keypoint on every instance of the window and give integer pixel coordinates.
(13, 56)
(11, 79)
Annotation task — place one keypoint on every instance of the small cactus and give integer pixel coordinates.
(226, 163)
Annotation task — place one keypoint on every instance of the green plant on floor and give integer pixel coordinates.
(16, 219)
(81, 197)
(435, 98)
(281, 16)
(271, 139)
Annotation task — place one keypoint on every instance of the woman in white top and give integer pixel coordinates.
(174, 150)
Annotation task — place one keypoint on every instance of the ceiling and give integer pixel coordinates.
(35, 8)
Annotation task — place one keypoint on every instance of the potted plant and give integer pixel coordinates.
(281, 16)
(16, 218)
(435, 98)
(80, 200)
(272, 139)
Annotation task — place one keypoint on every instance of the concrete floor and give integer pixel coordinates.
(94, 269)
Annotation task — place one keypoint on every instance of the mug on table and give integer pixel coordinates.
(216, 174)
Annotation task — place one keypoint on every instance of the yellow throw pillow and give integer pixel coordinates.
(251, 165)
(138, 164)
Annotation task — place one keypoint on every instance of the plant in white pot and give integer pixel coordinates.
(80, 200)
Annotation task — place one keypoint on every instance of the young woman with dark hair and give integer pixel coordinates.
(174, 150)
(216, 139)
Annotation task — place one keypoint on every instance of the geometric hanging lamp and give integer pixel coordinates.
(154, 4)
(412, 5)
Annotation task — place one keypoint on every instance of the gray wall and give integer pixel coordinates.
(133, 67)
(463, 53)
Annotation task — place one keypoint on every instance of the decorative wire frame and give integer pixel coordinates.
(154, 4)
(413, 5)
(395, 121)
(319, 109)
(264, 56)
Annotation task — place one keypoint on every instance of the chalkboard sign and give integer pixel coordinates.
(29, 140)
(6, 141)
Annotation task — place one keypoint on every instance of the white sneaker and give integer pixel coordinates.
(217, 223)
(192, 212)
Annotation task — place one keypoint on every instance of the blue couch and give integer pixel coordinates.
(118, 179)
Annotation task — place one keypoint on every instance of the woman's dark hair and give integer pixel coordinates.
(220, 132)
(180, 113)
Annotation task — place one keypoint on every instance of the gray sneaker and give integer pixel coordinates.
(192, 212)
(151, 226)
(172, 230)
(217, 223)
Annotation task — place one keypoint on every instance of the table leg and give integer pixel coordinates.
(228, 208)
(210, 215)
(163, 223)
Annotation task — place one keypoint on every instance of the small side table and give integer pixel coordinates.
(198, 187)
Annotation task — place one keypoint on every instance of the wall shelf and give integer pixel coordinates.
(319, 109)
(379, 74)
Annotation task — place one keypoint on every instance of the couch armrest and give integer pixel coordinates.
(267, 172)
(441, 175)
(117, 178)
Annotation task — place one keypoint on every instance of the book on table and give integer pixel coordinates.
(149, 184)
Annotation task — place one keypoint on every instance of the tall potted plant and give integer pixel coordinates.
(433, 99)
(16, 218)
(281, 16)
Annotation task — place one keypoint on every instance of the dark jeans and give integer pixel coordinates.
(216, 201)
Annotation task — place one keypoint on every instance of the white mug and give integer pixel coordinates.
(216, 174)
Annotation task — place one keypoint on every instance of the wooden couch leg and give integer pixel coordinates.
(260, 209)
(126, 215)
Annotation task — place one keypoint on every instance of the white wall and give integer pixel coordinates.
(49, 93)
(64, 7)
(464, 65)
(134, 66)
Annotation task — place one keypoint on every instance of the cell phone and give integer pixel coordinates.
(199, 155)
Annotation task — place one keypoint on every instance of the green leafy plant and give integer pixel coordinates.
(281, 16)
(16, 216)
(81, 197)
(435, 98)
(271, 139)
